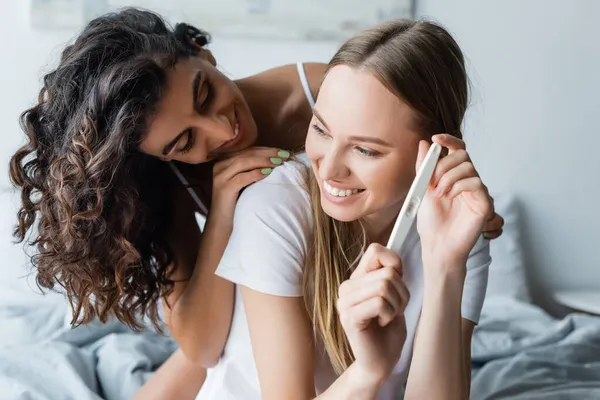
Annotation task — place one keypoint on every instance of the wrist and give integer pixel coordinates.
(364, 383)
(220, 221)
(444, 266)
(443, 281)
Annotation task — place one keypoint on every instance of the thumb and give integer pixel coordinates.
(423, 149)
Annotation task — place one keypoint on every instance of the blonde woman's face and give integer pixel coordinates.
(362, 145)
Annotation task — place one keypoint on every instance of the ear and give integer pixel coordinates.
(423, 149)
(205, 53)
(209, 56)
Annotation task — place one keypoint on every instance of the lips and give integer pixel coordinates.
(237, 135)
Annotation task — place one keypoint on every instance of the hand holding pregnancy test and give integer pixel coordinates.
(453, 210)
(413, 199)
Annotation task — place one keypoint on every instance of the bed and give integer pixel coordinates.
(519, 351)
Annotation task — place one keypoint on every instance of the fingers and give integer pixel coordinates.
(448, 163)
(241, 180)
(492, 229)
(491, 235)
(375, 289)
(451, 142)
(385, 282)
(463, 171)
(472, 184)
(243, 168)
(423, 149)
(250, 159)
(362, 314)
(478, 193)
(379, 299)
(494, 223)
(377, 256)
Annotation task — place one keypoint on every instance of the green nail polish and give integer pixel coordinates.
(486, 235)
(283, 154)
(276, 160)
(266, 171)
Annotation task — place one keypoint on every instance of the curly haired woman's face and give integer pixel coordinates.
(202, 115)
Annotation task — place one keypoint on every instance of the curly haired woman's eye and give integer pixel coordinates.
(189, 144)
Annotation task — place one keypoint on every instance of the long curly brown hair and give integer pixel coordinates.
(101, 205)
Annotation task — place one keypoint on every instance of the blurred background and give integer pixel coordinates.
(534, 68)
(530, 129)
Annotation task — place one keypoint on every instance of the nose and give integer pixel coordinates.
(215, 129)
(332, 166)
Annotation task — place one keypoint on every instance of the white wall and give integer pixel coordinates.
(533, 128)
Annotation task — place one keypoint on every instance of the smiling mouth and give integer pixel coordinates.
(231, 142)
(337, 192)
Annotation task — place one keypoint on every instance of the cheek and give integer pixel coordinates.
(390, 182)
(312, 148)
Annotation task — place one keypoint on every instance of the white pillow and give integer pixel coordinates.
(507, 272)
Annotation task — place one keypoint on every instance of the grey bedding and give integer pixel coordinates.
(42, 358)
(519, 352)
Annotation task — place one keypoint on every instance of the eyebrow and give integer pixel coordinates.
(195, 86)
(366, 139)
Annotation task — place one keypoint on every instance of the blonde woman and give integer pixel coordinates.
(322, 308)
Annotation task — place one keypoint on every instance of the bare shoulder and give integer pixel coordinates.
(287, 76)
(315, 72)
(287, 111)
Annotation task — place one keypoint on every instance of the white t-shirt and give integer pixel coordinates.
(267, 252)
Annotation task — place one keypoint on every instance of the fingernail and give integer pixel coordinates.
(266, 171)
(486, 235)
(276, 160)
(283, 154)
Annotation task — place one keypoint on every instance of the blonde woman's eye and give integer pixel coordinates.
(367, 152)
(319, 131)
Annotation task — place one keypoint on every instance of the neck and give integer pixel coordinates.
(266, 111)
(281, 119)
(380, 224)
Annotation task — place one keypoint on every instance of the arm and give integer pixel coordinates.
(204, 302)
(177, 378)
(467, 333)
(439, 345)
(455, 274)
(198, 312)
(283, 348)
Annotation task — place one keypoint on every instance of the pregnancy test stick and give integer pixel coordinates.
(413, 199)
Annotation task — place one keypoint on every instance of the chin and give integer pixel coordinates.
(342, 214)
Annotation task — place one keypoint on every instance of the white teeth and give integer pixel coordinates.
(339, 192)
(236, 130)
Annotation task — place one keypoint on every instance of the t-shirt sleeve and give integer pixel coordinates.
(267, 249)
(476, 280)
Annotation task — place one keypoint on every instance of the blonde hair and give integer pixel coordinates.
(422, 64)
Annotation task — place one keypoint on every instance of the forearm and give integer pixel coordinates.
(352, 384)
(437, 369)
(177, 378)
(202, 307)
